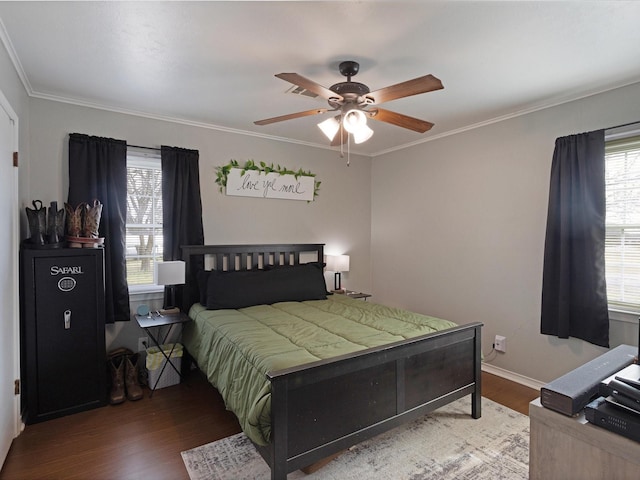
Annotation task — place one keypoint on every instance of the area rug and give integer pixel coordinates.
(446, 444)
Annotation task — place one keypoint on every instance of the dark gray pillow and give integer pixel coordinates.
(264, 287)
(203, 279)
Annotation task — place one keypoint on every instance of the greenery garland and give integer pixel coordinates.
(223, 171)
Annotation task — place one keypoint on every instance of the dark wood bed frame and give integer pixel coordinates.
(324, 407)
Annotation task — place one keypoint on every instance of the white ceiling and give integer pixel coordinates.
(213, 63)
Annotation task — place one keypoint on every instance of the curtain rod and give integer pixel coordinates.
(623, 125)
(146, 148)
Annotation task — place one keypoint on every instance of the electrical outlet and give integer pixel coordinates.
(500, 343)
(143, 342)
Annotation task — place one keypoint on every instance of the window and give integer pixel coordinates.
(144, 218)
(622, 243)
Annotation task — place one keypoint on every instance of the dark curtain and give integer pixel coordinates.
(574, 293)
(181, 207)
(98, 170)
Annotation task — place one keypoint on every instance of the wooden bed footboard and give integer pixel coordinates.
(325, 407)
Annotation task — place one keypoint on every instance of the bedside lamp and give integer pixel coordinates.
(338, 264)
(170, 273)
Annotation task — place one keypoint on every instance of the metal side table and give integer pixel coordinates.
(157, 321)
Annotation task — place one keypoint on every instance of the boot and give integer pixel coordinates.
(134, 390)
(92, 220)
(55, 224)
(74, 222)
(118, 352)
(37, 217)
(116, 367)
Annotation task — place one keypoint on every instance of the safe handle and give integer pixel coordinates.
(67, 319)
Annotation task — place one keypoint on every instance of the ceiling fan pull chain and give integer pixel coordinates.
(341, 138)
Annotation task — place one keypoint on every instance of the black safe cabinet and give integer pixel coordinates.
(63, 338)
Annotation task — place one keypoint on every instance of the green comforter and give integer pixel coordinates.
(236, 348)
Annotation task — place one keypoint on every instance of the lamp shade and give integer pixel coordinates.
(363, 134)
(330, 127)
(338, 263)
(354, 120)
(169, 273)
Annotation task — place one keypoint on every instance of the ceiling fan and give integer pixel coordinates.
(355, 102)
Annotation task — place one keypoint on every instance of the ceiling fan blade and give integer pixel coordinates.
(290, 116)
(400, 120)
(310, 85)
(425, 84)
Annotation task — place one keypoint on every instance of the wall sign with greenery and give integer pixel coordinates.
(267, 181)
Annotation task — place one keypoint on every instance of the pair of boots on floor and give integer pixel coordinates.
(123, 366)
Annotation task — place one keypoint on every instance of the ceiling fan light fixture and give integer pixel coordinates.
(363, 134)
(354, 120)
(329, 127)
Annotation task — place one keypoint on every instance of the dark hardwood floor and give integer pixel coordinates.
(143, 439)
(508, 393)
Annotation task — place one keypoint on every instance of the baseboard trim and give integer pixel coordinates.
(514, 377)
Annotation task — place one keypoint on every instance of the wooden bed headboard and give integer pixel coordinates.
(240, 257)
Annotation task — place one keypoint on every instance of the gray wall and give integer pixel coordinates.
(458, 228)
(339, 217)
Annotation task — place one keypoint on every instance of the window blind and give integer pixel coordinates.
(622, 242)
(144, 218)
